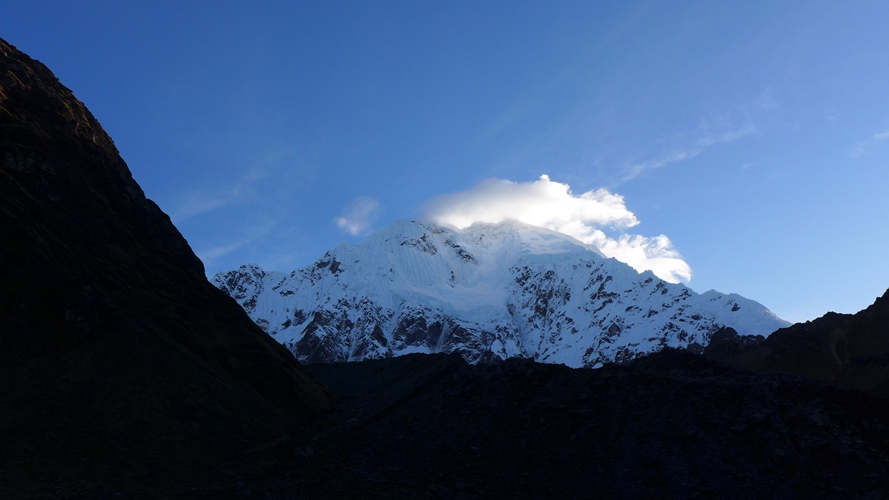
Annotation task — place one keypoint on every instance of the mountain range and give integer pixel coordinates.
(124, 373)
(489, 292)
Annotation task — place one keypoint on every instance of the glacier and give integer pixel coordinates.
(488, 292)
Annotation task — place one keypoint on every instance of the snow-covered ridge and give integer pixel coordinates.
(489, 291)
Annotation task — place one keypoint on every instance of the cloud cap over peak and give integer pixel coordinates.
(552, 205)
(540, 203)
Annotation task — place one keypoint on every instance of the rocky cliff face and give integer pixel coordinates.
(844, 349)
(489, 292)
(110, 335)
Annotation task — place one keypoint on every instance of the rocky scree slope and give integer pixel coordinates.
(119, 362)
(488, 292)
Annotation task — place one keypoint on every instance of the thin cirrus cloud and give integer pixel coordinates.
(862, 148)
(262, 227)
(272, 178)
(203, 202)
(206, 200)
(707, 140)
(211, 254)
(359, 215)
(552, 205)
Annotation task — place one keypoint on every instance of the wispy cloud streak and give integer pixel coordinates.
(705, 141)
(209, 199)
(862, 147)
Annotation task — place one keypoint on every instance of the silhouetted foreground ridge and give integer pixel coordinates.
(119, 363)
(850, 350)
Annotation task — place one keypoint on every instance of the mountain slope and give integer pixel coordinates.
(844, 349)
(119, 362)
(491, 291)
(669, 425)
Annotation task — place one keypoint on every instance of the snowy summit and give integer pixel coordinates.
(489, 291)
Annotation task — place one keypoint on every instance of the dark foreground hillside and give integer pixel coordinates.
(120, 365)
(673, 424)
(125, 374)
(849, 350)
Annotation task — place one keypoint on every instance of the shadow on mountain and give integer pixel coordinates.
(124, 373)
(841, 349)
(671, 424)
(119, 363)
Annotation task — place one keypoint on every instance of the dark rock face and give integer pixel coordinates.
(843, 349)
(103, 303)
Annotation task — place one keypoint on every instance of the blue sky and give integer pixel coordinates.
(754, 136)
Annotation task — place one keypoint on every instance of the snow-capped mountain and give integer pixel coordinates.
(490, 291)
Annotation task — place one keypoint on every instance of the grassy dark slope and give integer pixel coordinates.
(119, 363)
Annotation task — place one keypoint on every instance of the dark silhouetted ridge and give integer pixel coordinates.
(850, 350)
(116, 354)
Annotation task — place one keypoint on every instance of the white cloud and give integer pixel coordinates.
(540, 203)
(552, 205)
(358, 217)
(641, 253)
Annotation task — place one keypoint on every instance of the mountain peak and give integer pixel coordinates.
(488, 291)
